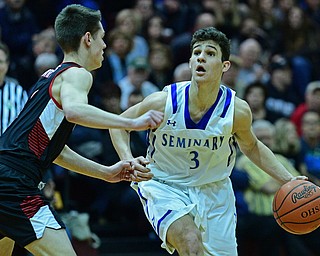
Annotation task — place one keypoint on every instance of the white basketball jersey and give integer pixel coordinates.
(188, 153)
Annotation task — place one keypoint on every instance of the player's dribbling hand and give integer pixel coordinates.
(148, 120)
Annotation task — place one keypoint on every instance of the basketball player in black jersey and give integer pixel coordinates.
(37, 138)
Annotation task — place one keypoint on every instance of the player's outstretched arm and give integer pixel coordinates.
(253, 148)
(122, 170)
(71, 91)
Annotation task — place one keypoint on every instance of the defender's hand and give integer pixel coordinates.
(149, 120)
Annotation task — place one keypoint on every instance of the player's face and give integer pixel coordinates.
(97, 48)
(205, 61)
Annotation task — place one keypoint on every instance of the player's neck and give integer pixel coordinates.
(73, 57)
(201, 98)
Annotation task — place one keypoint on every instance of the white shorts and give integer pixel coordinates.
(212, 206)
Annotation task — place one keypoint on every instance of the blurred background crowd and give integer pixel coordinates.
(275, 58)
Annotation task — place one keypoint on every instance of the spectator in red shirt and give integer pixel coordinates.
(312, 102)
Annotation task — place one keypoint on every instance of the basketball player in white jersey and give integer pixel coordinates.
(190, 201)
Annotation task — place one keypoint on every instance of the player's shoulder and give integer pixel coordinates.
(156, 100)
(176, 85)
(77, 73)
(242, 113)
(242, 108)
(78, 70)
(159, 98)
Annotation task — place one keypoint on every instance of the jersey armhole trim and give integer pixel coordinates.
(174, 98)
(227, 103)
(51, 84)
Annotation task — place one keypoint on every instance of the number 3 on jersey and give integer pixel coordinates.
(194, 159)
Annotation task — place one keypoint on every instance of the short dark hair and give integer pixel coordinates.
(72, 23)
(6, 51)
(211, 33)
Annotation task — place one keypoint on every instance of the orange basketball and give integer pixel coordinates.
(296, 207)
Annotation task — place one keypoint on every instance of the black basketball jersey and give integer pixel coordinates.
(37, 136)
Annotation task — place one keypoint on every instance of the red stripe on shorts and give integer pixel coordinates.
(31, 205)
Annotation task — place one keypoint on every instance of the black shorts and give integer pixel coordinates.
(24, 212)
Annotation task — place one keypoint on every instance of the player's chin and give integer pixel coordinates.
(200, 78)
(99, 64)
(95, 67)
(98, 61)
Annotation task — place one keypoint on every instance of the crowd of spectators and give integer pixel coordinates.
(275, 57)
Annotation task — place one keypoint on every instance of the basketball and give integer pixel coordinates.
(296, 207)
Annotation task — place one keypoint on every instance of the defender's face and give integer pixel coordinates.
(97, 47)
(205, 61)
